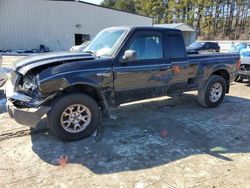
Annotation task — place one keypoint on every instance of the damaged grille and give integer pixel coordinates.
(24, 97)
(245, 67)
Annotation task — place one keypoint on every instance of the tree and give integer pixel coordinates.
(128, 5)
(152, 8)
(217, 19)
(108, 3)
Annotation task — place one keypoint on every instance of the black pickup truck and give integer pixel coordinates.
(121, 64)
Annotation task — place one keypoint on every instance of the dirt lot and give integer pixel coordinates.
(154, 143)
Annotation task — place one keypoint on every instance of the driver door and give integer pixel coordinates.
(142, 77)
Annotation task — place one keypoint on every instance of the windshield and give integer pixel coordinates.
(106, 42)
(196, 45)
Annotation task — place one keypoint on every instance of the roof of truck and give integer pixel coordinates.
(181, 26)
(152, 28)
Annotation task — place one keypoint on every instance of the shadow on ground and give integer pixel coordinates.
(147, 135)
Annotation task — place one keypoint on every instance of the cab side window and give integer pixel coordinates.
(147, 47)
(177, 47)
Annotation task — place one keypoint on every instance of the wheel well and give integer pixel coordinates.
(88, 90)
(225, 75)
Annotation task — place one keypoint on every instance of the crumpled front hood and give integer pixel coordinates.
(30, 62)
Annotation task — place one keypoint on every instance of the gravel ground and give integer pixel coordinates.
(160, 142)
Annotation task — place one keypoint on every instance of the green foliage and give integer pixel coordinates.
(128, 5)
(211, 19)
(108, 3)
(152, 8)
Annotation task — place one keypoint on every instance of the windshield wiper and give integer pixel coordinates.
(90, 52)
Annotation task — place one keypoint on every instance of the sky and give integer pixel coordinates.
(93, 1)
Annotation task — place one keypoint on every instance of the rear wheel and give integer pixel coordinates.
(212, 94)
(73, 117)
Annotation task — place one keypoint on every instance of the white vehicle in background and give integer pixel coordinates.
(79, 48)
(244, 72)
(3, 75)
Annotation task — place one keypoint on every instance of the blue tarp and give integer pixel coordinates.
(243, 49)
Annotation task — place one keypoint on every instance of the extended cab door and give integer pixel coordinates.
(175, 51)
(141, 78)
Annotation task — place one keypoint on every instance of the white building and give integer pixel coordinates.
(189, 33)
(60, 24)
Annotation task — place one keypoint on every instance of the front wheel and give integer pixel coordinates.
(212, 94)
(74, 117)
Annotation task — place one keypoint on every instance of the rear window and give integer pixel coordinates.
(178, 49)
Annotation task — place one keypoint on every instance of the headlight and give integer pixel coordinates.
(30, 83)
(27, 85)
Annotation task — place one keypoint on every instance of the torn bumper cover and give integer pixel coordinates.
(244, 73)
(29, 116)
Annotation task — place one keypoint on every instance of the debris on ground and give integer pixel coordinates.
(63, 160)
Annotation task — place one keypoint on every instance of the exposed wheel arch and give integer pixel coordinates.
(87, 90)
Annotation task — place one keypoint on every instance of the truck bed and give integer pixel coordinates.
(207, 57)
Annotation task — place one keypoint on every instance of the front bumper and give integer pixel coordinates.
(244, 73)
(26, 116)
(30, 115)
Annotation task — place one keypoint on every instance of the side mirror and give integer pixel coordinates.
(129, 55)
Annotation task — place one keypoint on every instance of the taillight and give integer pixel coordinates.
(238, 64)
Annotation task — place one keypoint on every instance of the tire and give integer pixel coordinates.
(205, 94)
(238, 79)
(73, 104)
